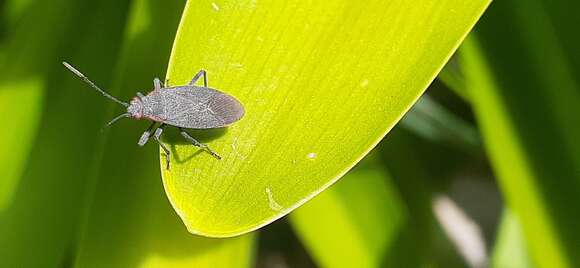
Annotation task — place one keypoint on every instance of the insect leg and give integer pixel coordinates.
(145, 136)
(157, 83)
(197, 76)
(157, 137)
(198, 144)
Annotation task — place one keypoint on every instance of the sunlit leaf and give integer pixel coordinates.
(510, 248)
(322, 82)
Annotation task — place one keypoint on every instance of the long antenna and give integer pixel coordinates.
(116, 119)
(84, 78)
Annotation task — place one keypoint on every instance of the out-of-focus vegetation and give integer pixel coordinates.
(483, 171)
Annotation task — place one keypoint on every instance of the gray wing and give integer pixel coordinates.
(197, 107)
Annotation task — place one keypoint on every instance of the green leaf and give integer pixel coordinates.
(452, 77)
(23, 82)
(130, 222)
(22, 88)
(420, 167)
(434, 122)
(322, 82)
(526, 102)
(510, 247)
(358, 216)
(41, 219)
(22, 101)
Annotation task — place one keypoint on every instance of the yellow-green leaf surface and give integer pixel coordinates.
(322, 82)
(358, 216)
(130, 223)
(510, 248)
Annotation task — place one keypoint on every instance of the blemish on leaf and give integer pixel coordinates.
(237, 65)
(311, 155)
(364, 83)
(235, 144)
(215, 6)
(273, 204)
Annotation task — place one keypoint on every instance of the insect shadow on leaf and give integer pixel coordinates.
(173, 137)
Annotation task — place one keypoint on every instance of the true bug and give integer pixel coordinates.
(184, 107)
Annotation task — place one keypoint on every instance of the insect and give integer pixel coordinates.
(185, 107)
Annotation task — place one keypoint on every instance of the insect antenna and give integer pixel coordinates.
(116, 119)
(84, 78)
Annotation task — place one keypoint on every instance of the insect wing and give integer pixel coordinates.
(200, 107)
(226, 108)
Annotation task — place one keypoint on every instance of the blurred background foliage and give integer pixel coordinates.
(483, 171)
